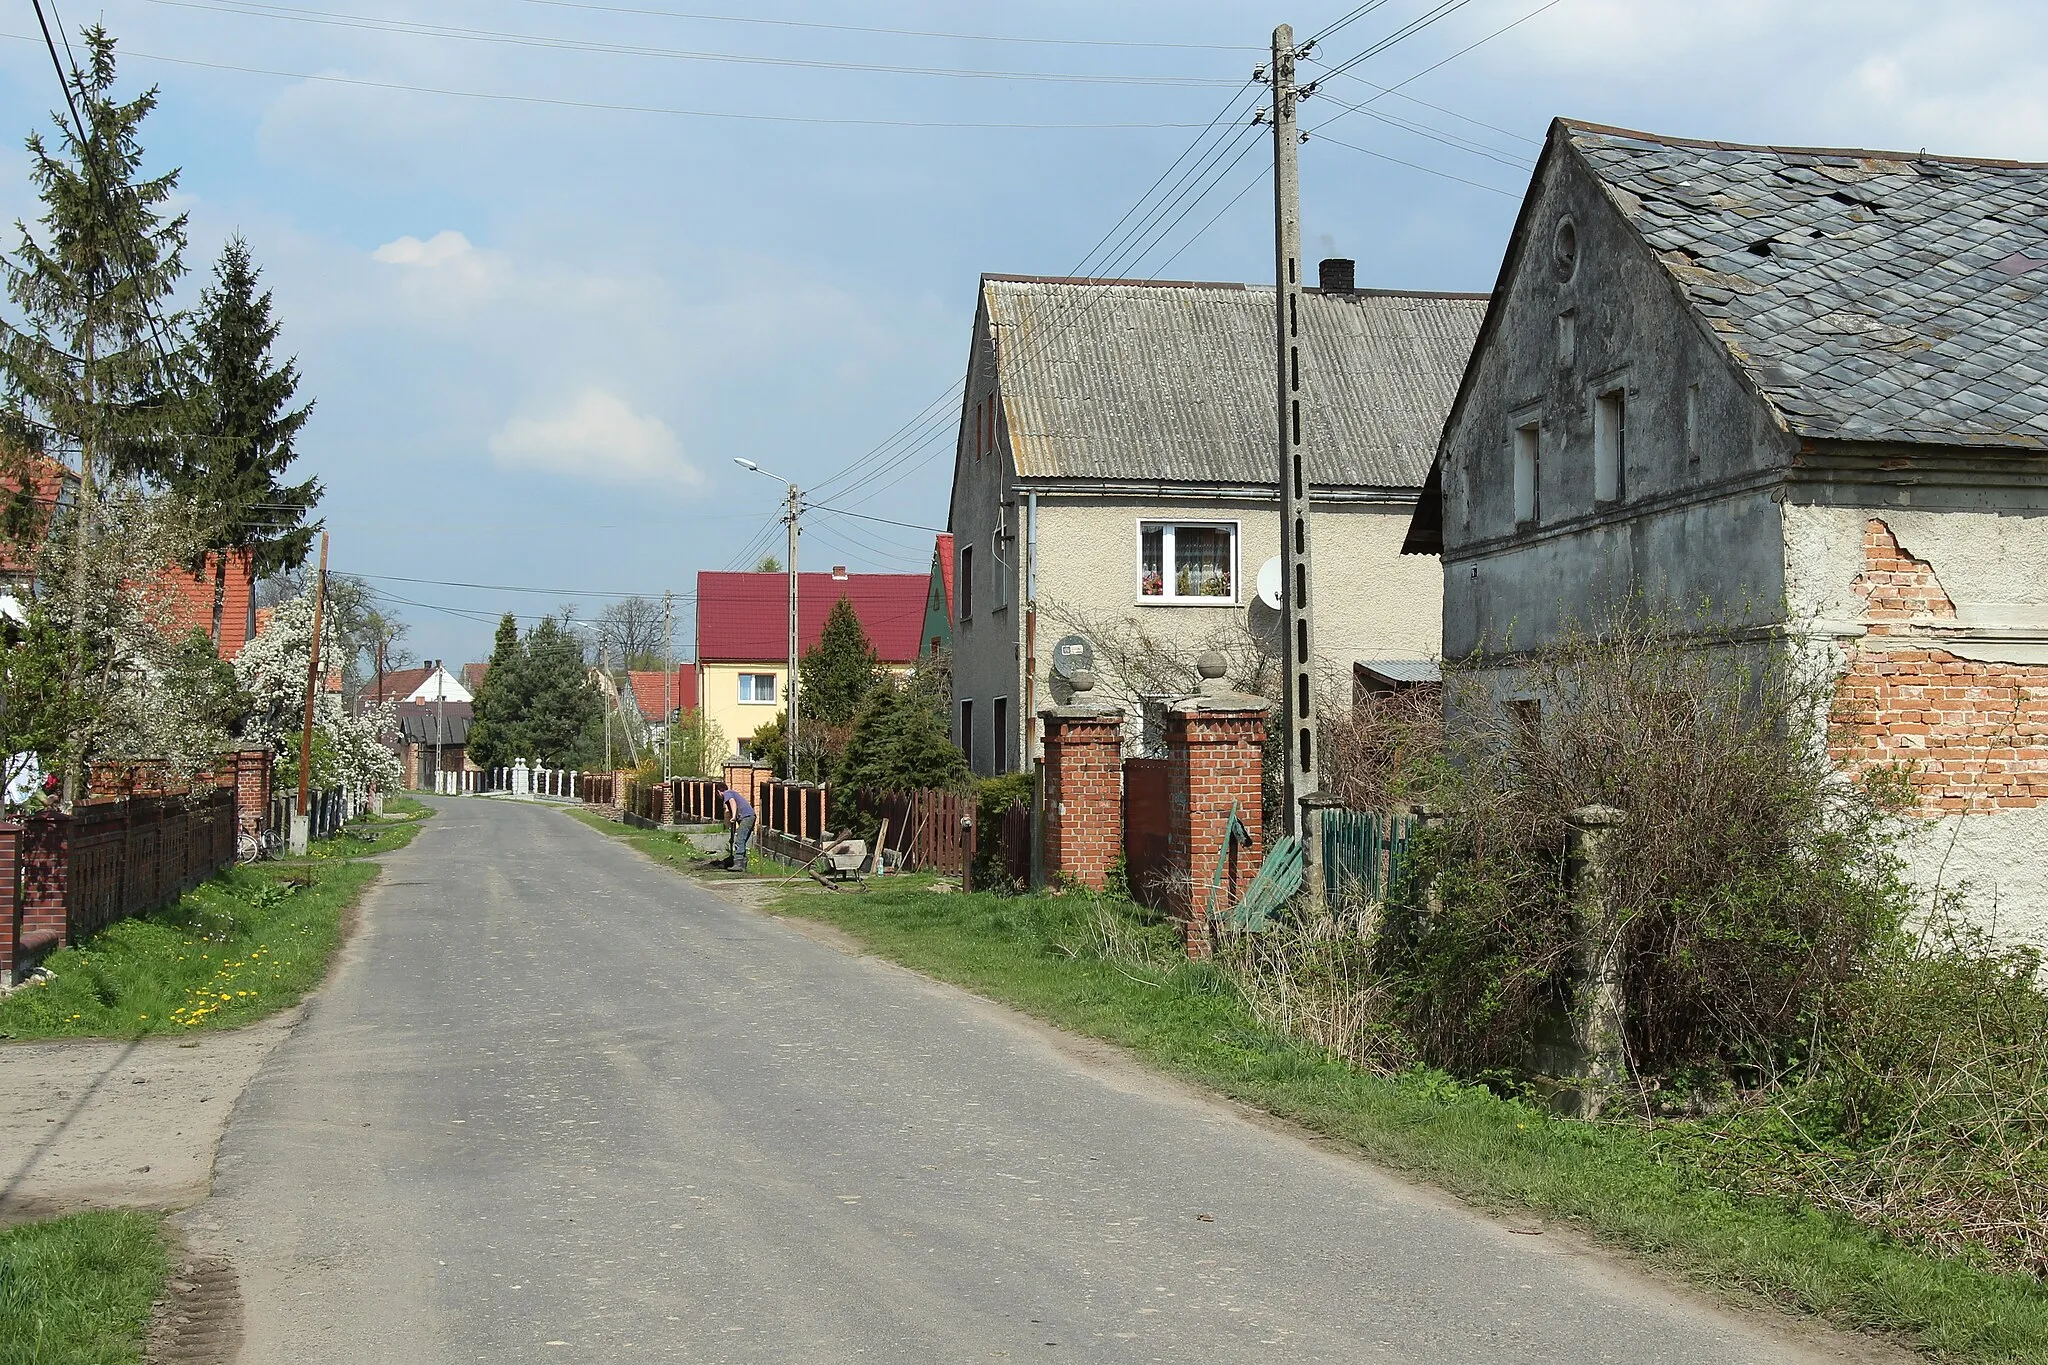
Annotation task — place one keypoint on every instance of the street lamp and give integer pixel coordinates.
(792, 512)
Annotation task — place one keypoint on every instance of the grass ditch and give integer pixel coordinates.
(1110, 971)
(77, 1290)
(241, 945)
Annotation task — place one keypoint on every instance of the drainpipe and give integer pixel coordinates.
(1031, 623)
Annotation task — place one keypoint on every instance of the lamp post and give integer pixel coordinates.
(792, 511)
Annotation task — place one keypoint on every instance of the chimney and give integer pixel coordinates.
(839, 573)
(1338, 275)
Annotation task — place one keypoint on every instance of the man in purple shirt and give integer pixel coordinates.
(740, 814)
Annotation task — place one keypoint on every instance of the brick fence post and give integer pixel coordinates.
(252, 790)
(1083, 811)
(10, 904)
(45, 882)
(1216, 742)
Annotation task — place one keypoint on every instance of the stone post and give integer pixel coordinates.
(1597, 1009)
(522, 778)
(1216, 741)
(1083, 777)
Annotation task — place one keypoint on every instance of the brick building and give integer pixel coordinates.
(1794, 394)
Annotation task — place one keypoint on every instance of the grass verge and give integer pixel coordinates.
(241, 945)
(1093, 968)
(78, 1290)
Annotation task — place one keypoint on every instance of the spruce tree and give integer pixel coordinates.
(233, 465)
(489, 745)
(91, 370)
(840, 670)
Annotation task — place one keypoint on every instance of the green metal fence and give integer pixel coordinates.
(1363, 852)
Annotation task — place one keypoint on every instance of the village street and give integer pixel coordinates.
(559, 1103)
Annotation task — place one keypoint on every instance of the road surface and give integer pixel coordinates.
(561, 1104)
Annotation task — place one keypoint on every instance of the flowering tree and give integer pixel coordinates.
(348, 750)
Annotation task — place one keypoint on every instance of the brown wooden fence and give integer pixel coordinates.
(66, 877)
(697, 800)
(1147, 817)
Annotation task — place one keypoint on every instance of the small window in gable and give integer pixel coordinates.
(965, 587)
(1528, 454)
(1610, 445)
(1692, 428)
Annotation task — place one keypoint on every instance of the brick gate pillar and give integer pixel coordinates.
(252, 790)
(1216, 742)
(1083, 810)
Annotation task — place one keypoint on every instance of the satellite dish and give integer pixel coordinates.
(1270, 583)
(1072, 655)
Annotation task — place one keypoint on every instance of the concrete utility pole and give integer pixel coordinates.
(440, 718)
(790, 517)
(668, 682)
(1298, 710)
(301, 819)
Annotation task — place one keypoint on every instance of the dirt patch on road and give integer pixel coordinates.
(105, 1123)
(199, 1319)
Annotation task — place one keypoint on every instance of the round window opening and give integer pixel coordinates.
(1564, 249)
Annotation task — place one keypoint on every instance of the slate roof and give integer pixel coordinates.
(1869, 295)
(1173, 382)
(744, 617)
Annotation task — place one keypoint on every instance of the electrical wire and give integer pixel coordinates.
(1417, 166)
(889, 32)
(367, 23)
(1398, 86)
(601, 106)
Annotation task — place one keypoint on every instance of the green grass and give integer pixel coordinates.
(1041, 955)
(670, 848)
(234, 949)
(77, 1290)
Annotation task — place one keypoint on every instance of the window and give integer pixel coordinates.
(965, 587)
(967, 730)
(1187, 562)
(1527, 454)
(1567, 337)
(1610, 436)
(1002, 719)
(1692, 428)
(757, 689)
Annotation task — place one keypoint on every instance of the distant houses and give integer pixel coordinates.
(1118, 435)
(1792, 394)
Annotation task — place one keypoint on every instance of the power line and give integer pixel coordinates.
(601, 106)
(366, 23)
(509, 587)
(1417, 166)
(1398, 86)
(892, 32)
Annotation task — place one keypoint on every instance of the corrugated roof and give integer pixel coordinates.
(1868, 295)
(416, 721)
(1173, 382)
(744, 617)
(1401, 671)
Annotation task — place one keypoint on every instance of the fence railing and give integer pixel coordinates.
(326, 811)
(1364, 851)
(697, 800)
(924, 827)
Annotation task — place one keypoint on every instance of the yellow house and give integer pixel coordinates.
(743, 635)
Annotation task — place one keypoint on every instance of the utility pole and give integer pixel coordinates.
(1298, 711)
(790, 517)
(668, 681)
(300, 823)
(440, 716)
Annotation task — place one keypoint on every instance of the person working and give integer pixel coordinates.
(740, 815)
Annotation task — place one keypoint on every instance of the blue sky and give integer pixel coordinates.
(540, 331)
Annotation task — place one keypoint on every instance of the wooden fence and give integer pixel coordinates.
(697, 800)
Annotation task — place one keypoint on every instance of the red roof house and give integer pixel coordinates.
(744, 617)
(647, 691)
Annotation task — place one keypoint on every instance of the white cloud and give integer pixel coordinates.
(445, 270)
(597, 435)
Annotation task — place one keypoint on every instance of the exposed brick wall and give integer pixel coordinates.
(252, 778)
(1084, 797)
(1219, 762)
(1976, 733)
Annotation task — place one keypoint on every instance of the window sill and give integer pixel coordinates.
(1187, 601)
(744, 702)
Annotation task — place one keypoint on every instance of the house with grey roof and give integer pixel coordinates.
(1803, 393)
(1116, 479)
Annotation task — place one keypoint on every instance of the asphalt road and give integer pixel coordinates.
(560, 1104)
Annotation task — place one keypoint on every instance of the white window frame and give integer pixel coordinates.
(774, 689)
(1168, 525)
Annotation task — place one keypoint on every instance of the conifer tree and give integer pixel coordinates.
(233, 466)
(840, 670)
(90, 370)
(488, 746)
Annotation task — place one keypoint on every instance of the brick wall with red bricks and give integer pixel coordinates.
(1084, 786)
(1975, 732)
(1219, 763)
